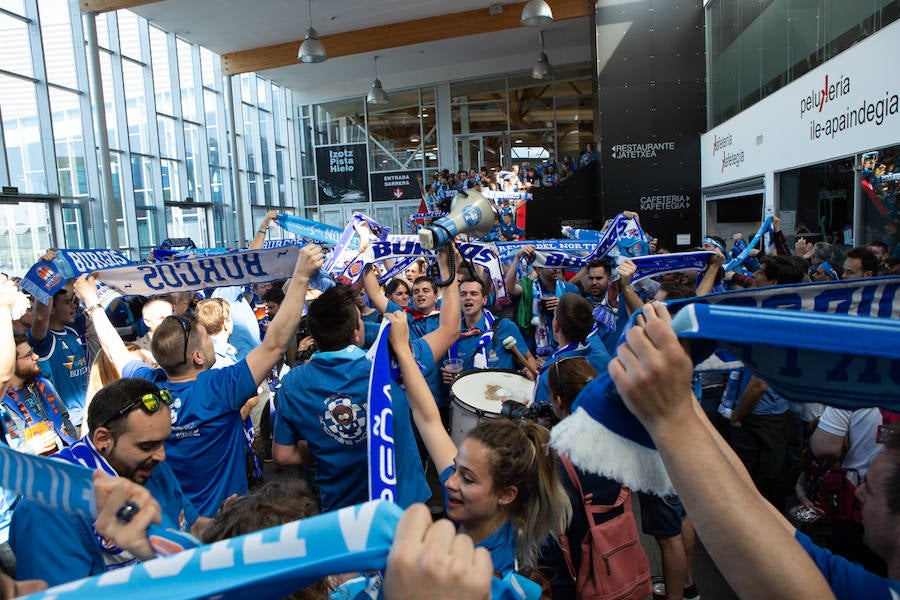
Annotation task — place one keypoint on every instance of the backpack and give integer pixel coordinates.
(833, 491)
(613, 562)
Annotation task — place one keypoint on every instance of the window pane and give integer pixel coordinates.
(216, 181)
(15, 52)
(136, 107)
(23, 136)
(192, 160)
(171, 189)
(146, 228)
(129, 38)
(24, 235)
(115, 166)
(102, 29)
(69, 140)
(162, 83)
(208, 68)
(187, 222)
(15, 6)
(74, 226)
(57, 36)
(264, 141)
(262, 87)
(211, 103)
(249, 137)
(167, 145)
(186, 76)
(142, 177)
(108, 99)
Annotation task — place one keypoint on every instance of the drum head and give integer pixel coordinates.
(487, 389)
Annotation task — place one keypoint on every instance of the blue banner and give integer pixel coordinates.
(382, 468)
(192, 274)
(280, 560)
(69, 487)
(660, 264)
(869, 297)
(845, 361)
(44, 279)
(313, 230)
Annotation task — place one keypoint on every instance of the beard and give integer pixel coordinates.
(28, 375)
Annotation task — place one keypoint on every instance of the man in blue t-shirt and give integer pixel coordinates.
(129, 422)
(480, 345)
(323, 410)
(571, 325)
(62, 354)
(761, 428)
(207, 449)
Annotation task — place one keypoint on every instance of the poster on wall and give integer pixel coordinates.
(395, 185)
(341, 174)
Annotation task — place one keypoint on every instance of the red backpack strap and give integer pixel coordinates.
(563, 538)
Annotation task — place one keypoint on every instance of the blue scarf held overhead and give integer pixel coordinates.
(380, 416)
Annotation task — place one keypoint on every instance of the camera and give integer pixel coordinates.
(517, 411)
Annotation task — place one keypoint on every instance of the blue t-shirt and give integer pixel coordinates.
(325, 402)
(498, 356)
(595, 354)
(417, 327)
(207, 449)
(63, 361)
(501, 544)
(848, 580)
(59, 547)
(771, 403)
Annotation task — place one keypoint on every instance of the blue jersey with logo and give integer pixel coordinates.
(325, 402)
(59, 547)
(63, 361)
(595, 354)
(207, 449)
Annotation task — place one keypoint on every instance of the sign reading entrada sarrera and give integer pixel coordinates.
(849, 114)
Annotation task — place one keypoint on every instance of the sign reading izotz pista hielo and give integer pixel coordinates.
(849, 105)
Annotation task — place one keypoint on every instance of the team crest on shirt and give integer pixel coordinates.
(343, 420)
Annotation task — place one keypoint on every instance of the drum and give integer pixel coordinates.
(479, 394)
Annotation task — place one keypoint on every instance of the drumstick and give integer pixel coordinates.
(510, 345)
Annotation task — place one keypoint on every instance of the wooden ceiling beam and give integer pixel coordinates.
(419, 31)
(101, 6)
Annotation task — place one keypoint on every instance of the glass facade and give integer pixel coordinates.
(170, 158)
(755, 48)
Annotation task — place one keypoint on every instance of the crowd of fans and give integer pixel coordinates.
(184, 396)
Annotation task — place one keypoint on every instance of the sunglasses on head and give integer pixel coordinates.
(151, 403)
(186, 328)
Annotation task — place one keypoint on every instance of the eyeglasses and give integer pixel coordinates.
(151, 403)
(28, 354)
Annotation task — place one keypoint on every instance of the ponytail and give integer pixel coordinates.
(523, 458)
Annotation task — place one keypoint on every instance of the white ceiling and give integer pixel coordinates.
(226, 26)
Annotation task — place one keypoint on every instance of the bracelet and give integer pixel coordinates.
(90, 309)
(262, 231)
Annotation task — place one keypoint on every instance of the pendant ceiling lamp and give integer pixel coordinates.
(542, 68)
(377, 95)
(536, 13)
(311, 50)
